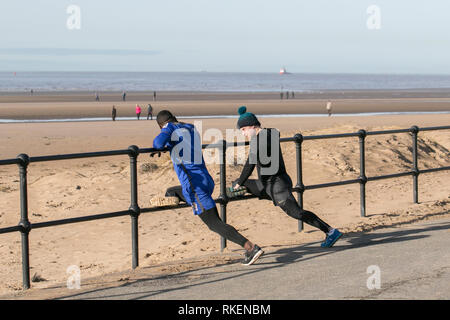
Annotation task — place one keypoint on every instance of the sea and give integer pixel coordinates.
(11, 82)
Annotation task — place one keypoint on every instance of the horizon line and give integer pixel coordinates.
(243, 72)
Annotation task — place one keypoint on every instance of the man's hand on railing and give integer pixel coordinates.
(152, 154)
(235, 185)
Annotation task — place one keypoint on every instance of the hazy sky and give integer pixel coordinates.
(324, 36)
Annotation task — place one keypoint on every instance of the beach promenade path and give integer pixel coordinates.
(412, 261)
(408, 262)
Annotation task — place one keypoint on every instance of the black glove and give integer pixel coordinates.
(152, 154)
(233, 193)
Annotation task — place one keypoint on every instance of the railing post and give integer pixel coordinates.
(415, 130)
(134, 207)
(362, 171)
(223, 195)
(300, 186)
(24, 223)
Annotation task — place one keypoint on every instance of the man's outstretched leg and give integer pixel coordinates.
(291, 207)
(282, 196)
(211, 219)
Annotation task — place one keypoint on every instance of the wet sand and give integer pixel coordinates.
(83, 105)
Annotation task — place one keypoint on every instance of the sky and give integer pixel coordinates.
(314, 36)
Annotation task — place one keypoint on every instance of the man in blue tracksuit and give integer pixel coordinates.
(183, 141)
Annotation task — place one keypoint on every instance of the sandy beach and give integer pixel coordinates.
(173, 240)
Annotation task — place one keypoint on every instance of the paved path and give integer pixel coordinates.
(413, 260)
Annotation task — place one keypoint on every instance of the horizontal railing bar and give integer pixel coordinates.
(434, 169)
(180, 206)
(150, 150)
(9, 161)
(331, 136)
(204, 146)
(390, 176)
(242, 198)
(329, 184)
(79, 155)
(291, 139)
(162, 208)
(434, 128)
(79, 219)
(237, 143)
(213, 146)
(10, 229)
(373, 133)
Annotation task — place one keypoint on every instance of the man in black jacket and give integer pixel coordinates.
(273, 181)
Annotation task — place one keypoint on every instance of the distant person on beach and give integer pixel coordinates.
(97, 98)
(138, 111)
(114, 113)
(273, 181)
(196, 182)
(154, 95)
(281, 95)
(150, 111)
(293, 95)
(329, 108)
(31, 92)
(287, 94)
(124, 94)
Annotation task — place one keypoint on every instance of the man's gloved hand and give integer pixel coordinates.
(152, 154)
(235, 191)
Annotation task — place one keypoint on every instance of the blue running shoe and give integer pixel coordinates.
(331, 239)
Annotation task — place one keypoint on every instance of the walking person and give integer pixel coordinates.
(328, 107)
(114, 113)
(273, 181)
(124, 94)
(97, 97)
(150, 111)
(196, 182)
(138, 111)
(154, 95)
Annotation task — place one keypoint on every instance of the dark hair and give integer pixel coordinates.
(165, 116)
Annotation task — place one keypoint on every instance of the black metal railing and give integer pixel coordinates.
(23, 161)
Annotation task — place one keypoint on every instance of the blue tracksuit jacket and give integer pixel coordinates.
(186, 150)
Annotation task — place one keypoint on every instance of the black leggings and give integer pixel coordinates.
(280, 192)
(211, 219)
